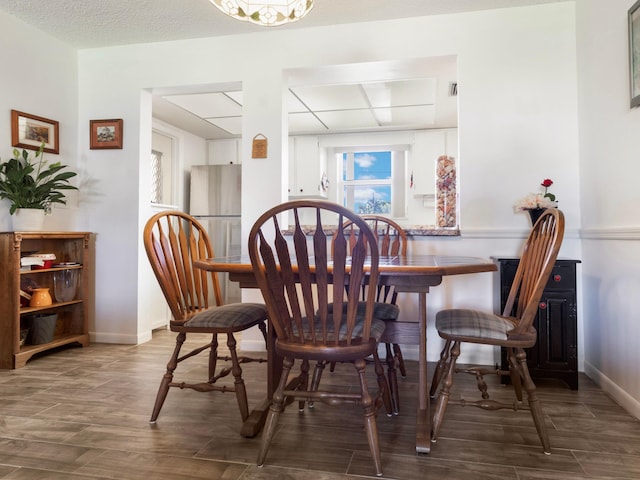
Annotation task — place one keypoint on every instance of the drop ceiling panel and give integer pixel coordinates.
(413, 92)
(233, 125)
(305, 123)
(235, 96)
(313, 108)
(332, 97)
(207, 105)
(348, 119)
(293, 104)
(408, 117)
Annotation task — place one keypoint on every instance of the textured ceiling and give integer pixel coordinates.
(98, 23)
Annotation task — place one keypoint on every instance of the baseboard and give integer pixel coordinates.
(119, 338)
(252, 345)
(625, 400)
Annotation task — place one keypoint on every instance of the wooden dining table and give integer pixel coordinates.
(410, 273)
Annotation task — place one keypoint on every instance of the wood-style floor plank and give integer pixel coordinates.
(82, 413)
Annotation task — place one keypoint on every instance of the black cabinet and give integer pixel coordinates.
(555, 354)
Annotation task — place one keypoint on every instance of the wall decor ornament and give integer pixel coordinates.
(32, 132)
(446, 192)
(634, 53)
(259, 146)
(105, 134)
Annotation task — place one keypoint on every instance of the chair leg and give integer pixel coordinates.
(383, 386)
(332, 367)
(277, 406)
(370, 425)
(263, 328)
(315, 380)
(515, 373)
(437, 374)
(445, 391)
(167, 378)
(240, 389)
(393, 379)
(304, 382)
(534, 402)
(400, 360)
(213, 358)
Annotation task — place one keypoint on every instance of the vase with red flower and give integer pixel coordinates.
(536, 203)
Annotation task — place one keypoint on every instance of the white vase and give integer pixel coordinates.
(28, 220)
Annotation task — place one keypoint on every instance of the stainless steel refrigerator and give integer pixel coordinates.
(215, 202)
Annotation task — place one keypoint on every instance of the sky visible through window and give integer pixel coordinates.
(371, 182)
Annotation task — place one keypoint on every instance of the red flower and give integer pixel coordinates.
(546, 183)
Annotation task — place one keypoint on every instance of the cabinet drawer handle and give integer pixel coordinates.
(557, 278)
(543, 305)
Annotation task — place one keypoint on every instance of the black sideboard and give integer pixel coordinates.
(555, 354)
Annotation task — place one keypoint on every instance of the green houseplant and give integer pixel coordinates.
(31, 183)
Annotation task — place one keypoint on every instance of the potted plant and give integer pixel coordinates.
(32, 185)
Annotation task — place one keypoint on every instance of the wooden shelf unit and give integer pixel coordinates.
(73, 316)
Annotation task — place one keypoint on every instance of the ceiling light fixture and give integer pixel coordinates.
(268, 13)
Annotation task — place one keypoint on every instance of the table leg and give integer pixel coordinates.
(423, 417)
(254, 423)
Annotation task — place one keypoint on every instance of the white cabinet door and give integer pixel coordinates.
(307, 165)
(427, 147)
(224, 152)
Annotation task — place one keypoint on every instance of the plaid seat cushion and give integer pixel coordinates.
(381, 310)
(384, 311)
(472, 323)
(235, 316)
(377, 328)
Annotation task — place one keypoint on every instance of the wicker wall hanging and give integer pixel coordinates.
(259, 147)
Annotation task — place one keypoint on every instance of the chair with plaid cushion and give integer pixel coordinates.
(173, 241)
(513, 330)
(392, 241)
(298, 277)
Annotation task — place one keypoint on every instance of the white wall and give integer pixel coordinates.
(517, 125)
(39, 77)
(609, 172)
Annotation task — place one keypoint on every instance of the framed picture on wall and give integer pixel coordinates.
(30, 132)
(634, 53)
(105, 133)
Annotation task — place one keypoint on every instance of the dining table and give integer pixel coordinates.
(408, 273)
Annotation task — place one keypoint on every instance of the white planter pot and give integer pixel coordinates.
(28, 220)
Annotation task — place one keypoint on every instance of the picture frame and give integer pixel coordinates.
(31, 131)
(634, 53)
(105, 134)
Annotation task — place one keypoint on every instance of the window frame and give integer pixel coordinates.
(397, 182)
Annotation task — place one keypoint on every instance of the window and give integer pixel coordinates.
(372, 182)
(164, 168)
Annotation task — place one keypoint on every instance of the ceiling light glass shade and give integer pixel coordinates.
(268, 13)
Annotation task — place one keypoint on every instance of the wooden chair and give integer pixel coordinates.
(513, 330)
(298, 279)
(392, 241)
(173, 241)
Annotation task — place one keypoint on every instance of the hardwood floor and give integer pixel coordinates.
(82, 413)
